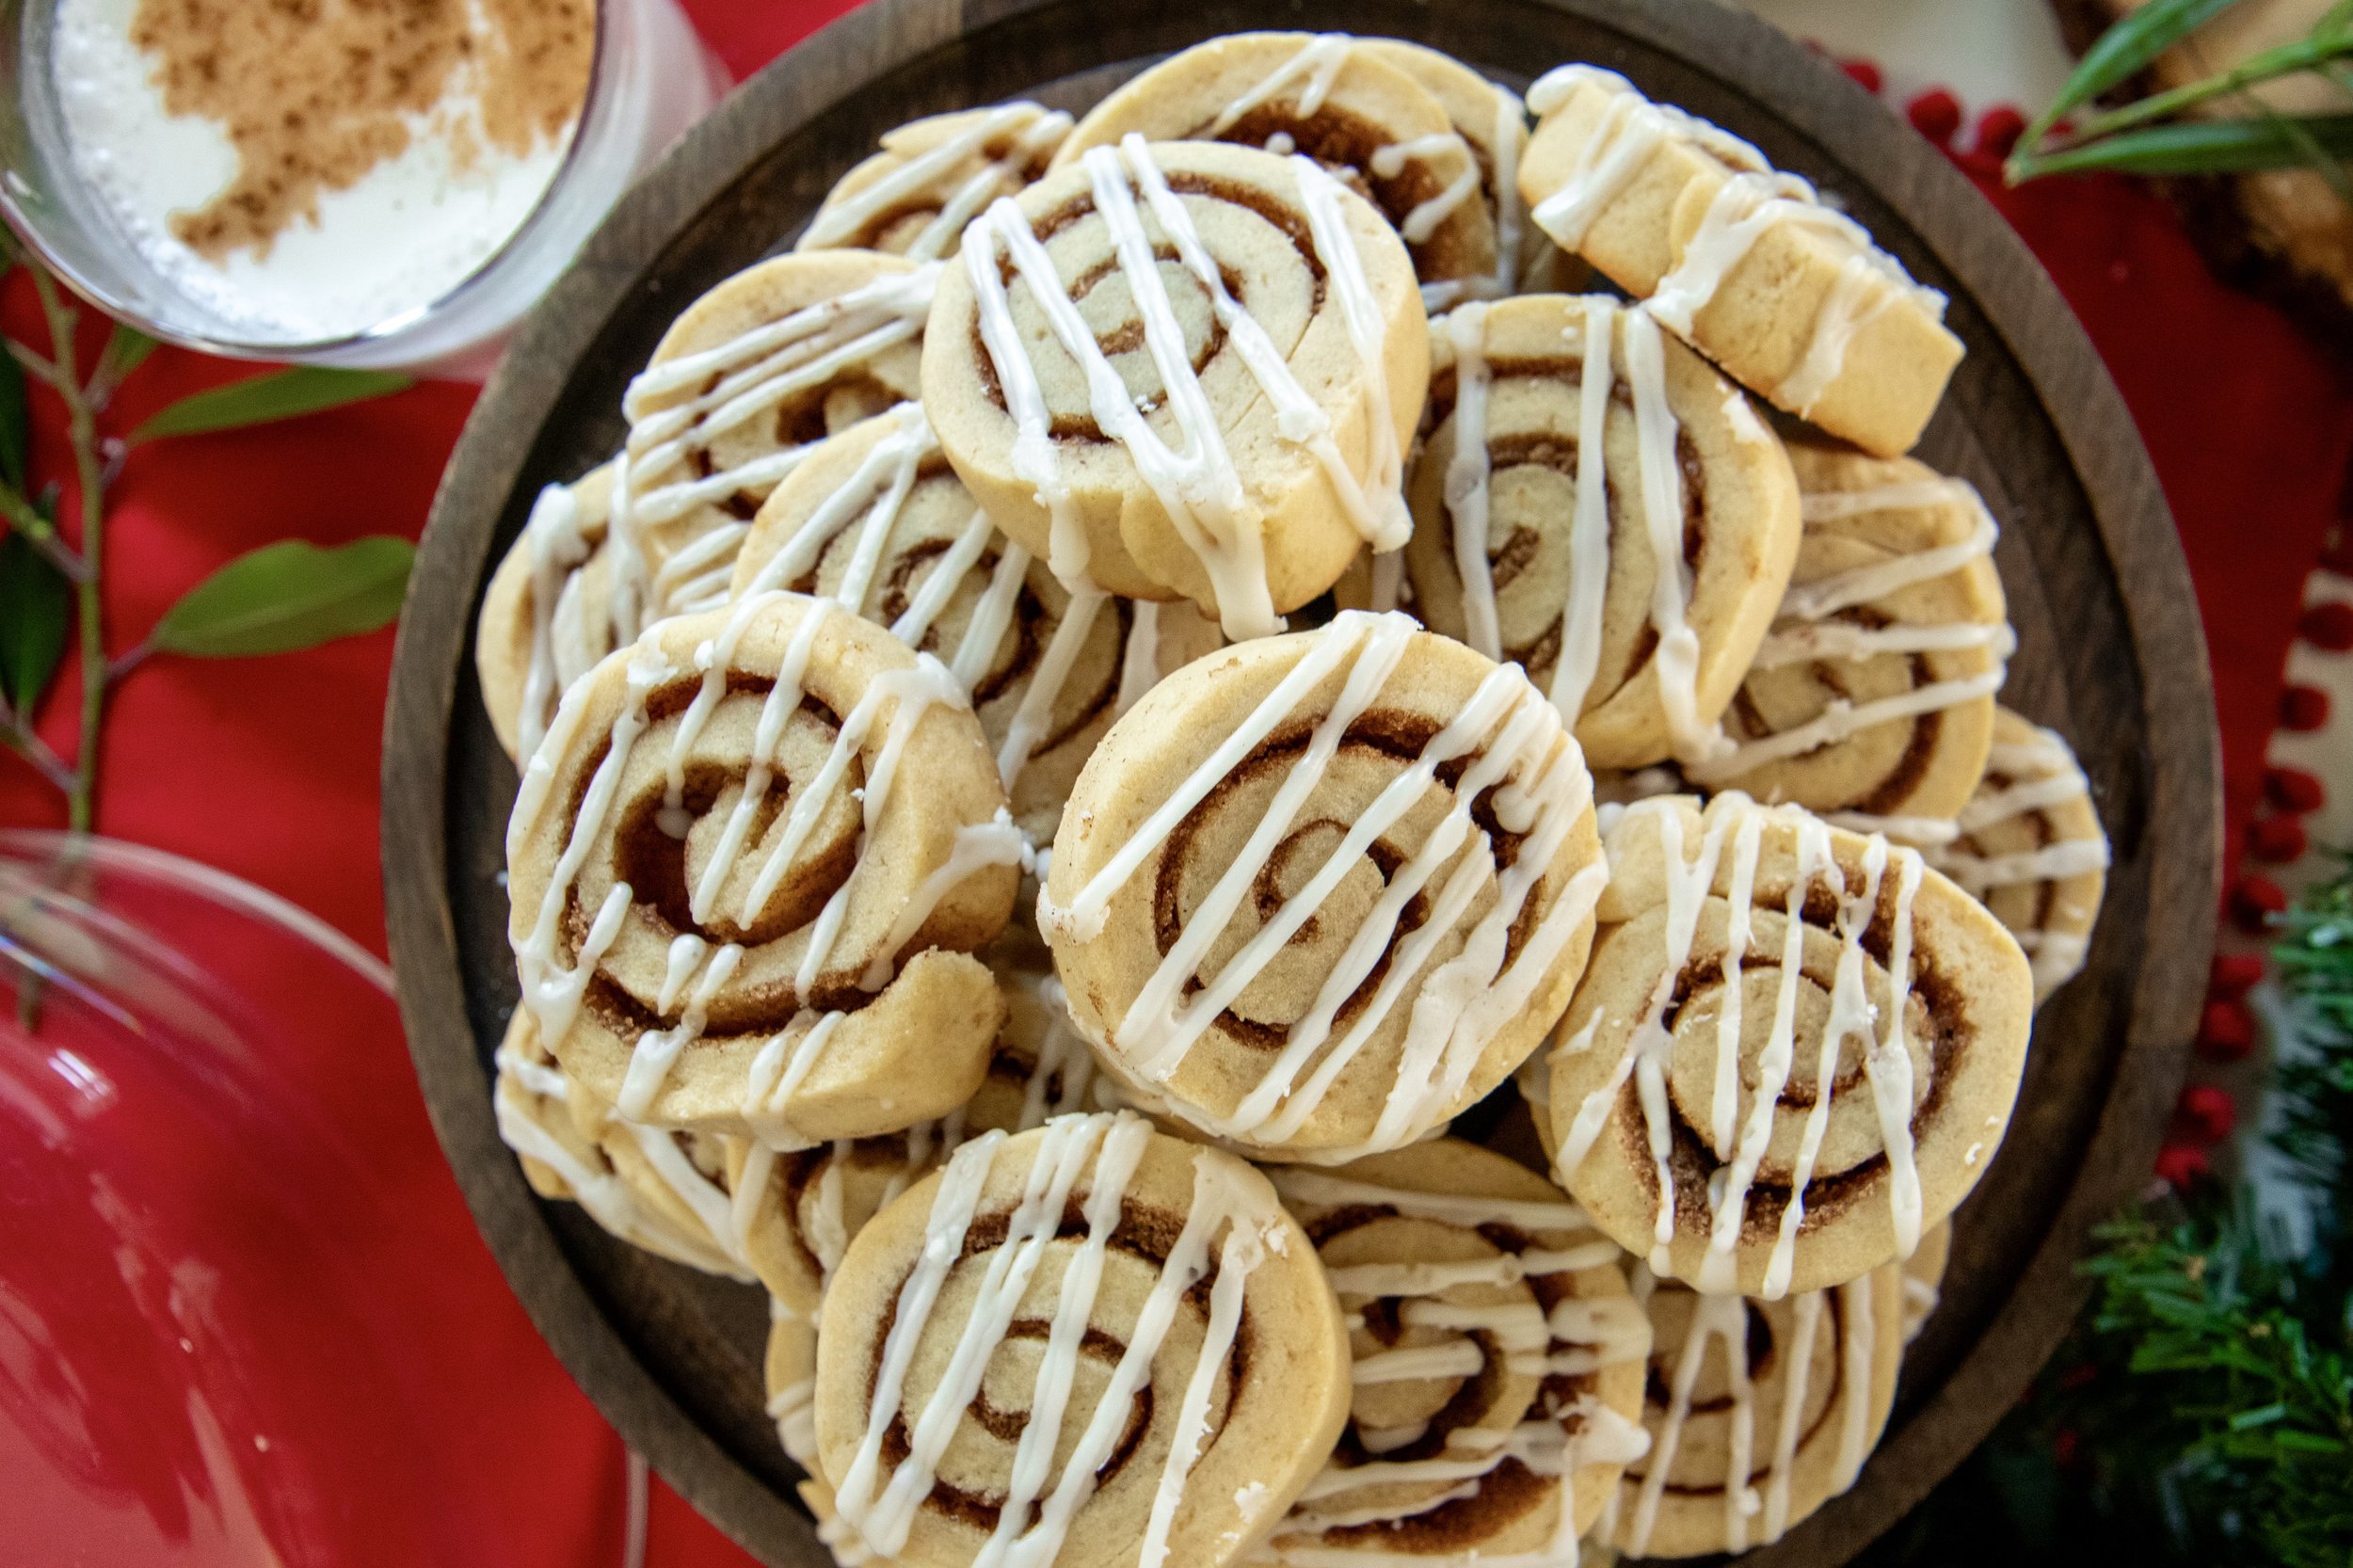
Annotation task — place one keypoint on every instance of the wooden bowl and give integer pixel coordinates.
(2109, 650)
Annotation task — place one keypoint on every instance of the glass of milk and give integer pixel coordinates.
(380, 187)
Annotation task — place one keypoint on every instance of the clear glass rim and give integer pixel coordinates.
(28, 233)
(25, 848)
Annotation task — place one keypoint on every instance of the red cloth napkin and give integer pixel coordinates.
(268, 767)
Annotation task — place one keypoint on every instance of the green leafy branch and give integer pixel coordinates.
(2206, 1398)
(273, 600)
(2149, 134)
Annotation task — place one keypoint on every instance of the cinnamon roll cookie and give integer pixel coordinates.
(1786, 293)
(1872, 698)
(797, 1211)
(747, 866)
(1794, 1051)
(933, 177)
(1597, 506)
(1758, 1412)
(877, 522)
(2030, 846)
(1923, 1279)
(790, 1369)
(1318, 893)
(1089, 1344)
(1498, 1361)
(739, 387)
(1360, 107)
(557, 1133)
(1183, 371)
(547, 617)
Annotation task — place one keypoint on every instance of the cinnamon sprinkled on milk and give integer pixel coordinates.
(315, 93)
(309, 169)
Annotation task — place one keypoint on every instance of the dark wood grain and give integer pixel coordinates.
(2111, 651)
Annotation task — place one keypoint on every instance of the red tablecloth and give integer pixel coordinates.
(268, 767)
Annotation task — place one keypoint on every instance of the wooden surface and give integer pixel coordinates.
(2111, 651)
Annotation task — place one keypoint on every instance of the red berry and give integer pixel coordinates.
(2303, 708)
(2226, 1032)
(2179, 1165)
(1935, 113)
(2063, 1445)
(2277, 839)
(2234, 974)
(2328, 625)
(1998, 130)
(2294, 790)
(2081, 1375)
(2207, 1112)
(2336, 550)
(1865, 75)
(2254, 900)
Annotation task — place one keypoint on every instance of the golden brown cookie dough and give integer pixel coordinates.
(1871, 701)
(1800, 1387)
(934, 176)
(1318, 893)
(1498, 1360)
(1633, 583)
(2030, 846)
(1788, 294)
(740, 388)
(1362, 107)
(875, 520)
(1794, 1051)
(748, 866)
(803, 1207)
(547, 617)
(1091, 1331)
(1225, 424)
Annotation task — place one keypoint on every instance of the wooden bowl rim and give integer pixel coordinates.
(1746, 58)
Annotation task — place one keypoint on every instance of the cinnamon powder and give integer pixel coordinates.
(315, 93)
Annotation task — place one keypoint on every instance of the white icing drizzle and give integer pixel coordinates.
(560, 652)
(1630, 129)
(1512, 735)
(1659, 487)
(555, 993)
(1868, 283)
(1510, 128)
(1196, 483)
(1467, 475)
(1389, 162)
(2046, 774)
(1919, 832)
(1724, 1318)
(793, 1405)
(1754, 199)
(600, 1189)
(1040, 1505)
(1920, 1299)
(751, 375)
(1029, 133)
(1732, 820)
(1316, 66)
(1803, 631)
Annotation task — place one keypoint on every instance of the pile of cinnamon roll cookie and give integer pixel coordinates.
(1150, 665)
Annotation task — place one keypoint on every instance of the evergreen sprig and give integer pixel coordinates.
(2203, 1411)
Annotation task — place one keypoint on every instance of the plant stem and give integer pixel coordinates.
(90, 480)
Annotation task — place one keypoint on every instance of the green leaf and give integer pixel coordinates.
(127, 349)
(2136, 38)
(268, 398)
(2205, 147)
(16, 424)
(35, 606)
(287, 596)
